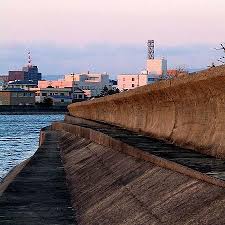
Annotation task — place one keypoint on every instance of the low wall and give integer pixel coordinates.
(188, 111)
(117, 145)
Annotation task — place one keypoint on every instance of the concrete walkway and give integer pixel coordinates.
(205, 164)
(39, 193)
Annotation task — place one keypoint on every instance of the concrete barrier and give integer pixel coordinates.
(187, 111)
(117, 145)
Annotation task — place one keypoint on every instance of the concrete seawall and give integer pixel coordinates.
(110, 187)
(188, 111)
(85, 173)
(77, 127)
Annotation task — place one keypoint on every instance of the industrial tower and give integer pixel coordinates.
(151, 50)
(29, 60)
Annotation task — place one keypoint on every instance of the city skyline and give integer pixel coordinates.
(108, 36)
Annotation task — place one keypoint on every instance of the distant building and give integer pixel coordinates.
(91, 83)
(31, 73)
(78, 95)
(131, 81)
(61, 100)
(16, 97)
(172, 72)
(2, 85)
(157, 67)
(156, 70)
(113, 85)
(28, 73)
(42, 93)
(3, 81)
(61, 96)
(16, 75)
(4, 78)
(22, 84)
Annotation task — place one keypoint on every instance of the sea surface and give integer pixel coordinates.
(19, 137)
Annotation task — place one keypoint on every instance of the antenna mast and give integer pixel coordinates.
(29, 60)
(151, 50)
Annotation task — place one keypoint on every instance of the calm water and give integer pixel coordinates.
(19, 136)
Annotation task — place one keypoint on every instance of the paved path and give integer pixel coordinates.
(39, 193)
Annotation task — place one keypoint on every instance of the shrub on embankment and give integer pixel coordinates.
(188, 111)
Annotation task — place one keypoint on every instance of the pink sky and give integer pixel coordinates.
(109, 35)
(170, 22)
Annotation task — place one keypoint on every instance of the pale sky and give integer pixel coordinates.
(116, 26)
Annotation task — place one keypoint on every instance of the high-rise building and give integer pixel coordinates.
(31, 73)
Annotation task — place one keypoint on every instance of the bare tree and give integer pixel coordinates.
(179, 71)
(222, 58)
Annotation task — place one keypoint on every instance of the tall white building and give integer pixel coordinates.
(157, 67)
(156, 70)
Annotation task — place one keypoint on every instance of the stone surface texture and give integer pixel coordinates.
(110, 187)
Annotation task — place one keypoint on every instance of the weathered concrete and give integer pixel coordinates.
(11, 176)
(188, 162)
(39, 194)
(188, 111)
(110, 187)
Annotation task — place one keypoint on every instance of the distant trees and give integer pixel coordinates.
(222, 58)
(107, 91)
(48, 102)
(179, 71)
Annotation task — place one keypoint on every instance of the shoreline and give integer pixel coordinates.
(31, 110)
(10, 176)
(32, 113)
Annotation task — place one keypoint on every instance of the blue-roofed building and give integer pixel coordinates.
(23, 84)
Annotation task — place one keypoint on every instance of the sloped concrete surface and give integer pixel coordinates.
(109, 187)
(39, 194)
(202, 166)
